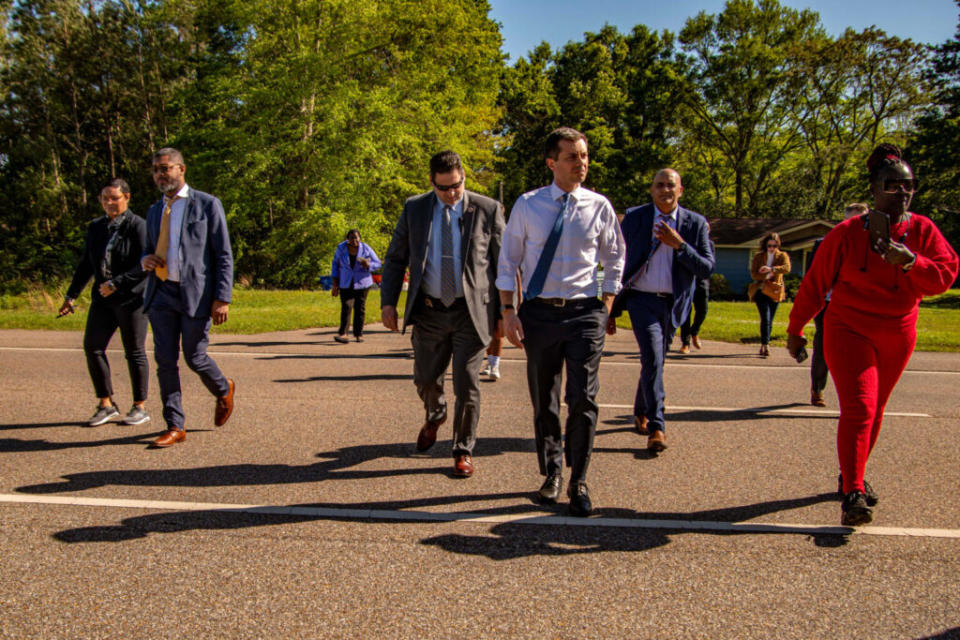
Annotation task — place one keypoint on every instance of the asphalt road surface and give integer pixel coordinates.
(310, 514)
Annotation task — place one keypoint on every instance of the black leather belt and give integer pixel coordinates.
(656, 293)
(562, 302)
(437, 303)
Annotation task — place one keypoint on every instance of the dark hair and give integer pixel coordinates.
(551, 148)
(171, 153)
(352, 231)
(773, 235)
(445, 162)
(883, 156)
(117, 183)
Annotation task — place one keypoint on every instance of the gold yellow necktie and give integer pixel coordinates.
(163, 240)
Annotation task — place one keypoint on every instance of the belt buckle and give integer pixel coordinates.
(427, 301)
(557, 302)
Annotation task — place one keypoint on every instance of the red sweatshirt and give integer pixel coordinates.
(865, 287)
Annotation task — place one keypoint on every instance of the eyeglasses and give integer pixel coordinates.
(772, 245)
(447, 187)
(908, 185)
(164, 168)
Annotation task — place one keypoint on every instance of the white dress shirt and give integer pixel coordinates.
(591, 235)
(177, 212)
(657, 274)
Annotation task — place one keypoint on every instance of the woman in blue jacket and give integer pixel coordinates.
(353, 263)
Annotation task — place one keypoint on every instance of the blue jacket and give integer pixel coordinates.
(358, 276)
(206, 260)
(693, 261)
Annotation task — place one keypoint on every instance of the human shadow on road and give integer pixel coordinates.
(41, 425)
(14, 445)
(335, 465)
(357, 378)
(512, 540)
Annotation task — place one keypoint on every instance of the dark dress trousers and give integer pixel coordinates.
(179, 312)
(123, 308)
(656, 318)
(460, 332)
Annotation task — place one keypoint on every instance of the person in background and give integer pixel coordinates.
(353, 263)
(877, 278)
(818, 363)
(690, 329)
(767, 290)
(111, 255)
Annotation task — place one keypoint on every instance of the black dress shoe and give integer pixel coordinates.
(550, 490)
(580, 505)
(871, 495)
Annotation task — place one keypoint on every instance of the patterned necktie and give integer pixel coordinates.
(163, 240)
(448, 284)
(539, 277)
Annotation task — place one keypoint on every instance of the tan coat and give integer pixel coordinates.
(773, 287)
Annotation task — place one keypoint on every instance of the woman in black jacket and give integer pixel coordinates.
(111, 255)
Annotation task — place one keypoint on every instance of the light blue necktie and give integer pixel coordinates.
(448, 284)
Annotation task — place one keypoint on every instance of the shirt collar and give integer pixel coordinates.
(556, 192)
(455, 209)
(672, 215)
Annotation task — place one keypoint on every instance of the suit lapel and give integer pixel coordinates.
(466, 229)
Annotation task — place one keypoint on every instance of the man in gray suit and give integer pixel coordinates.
(449, 238)
(188, 251)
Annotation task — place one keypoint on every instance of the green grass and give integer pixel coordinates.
(261, 311)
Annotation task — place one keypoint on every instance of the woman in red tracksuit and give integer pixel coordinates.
(870, 327)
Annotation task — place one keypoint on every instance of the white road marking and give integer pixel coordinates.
(480, 518)
(832, 413)
(604, 362)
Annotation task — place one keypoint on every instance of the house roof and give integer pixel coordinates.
(794, 233)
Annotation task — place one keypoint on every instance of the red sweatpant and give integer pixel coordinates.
(865, 359)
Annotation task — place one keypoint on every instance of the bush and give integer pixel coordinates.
(720, 288)
(791, 283)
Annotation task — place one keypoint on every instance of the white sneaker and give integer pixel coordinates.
(485, 371)
(494, 372)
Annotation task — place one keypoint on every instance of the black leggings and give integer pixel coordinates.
(355, 300)
(102, 322)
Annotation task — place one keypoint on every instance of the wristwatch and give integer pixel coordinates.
(504, 307)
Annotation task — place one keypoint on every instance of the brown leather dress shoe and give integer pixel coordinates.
(657, 441)
(463, 466)
(428, 435)
(170, 438)
(685, 349)
(696, 342)
(640, 424)
(816, 399)
(224, 406)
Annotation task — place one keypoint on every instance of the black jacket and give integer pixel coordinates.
(127, 276)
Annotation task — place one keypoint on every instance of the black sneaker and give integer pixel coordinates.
(855, 510)
(872, 497)
(103, 415)
(136, 416)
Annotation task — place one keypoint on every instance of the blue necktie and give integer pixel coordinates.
(448, 280)
(535, 285)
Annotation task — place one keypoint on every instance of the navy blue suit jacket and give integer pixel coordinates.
(692, 262)
(206, 260)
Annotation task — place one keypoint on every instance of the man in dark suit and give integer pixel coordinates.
(668, 250)
(449, 238)
(188, 251)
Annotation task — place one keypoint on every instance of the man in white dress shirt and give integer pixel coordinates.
(556, 236)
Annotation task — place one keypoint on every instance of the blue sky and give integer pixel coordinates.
(527, 22)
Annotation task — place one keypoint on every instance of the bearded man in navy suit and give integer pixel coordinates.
(668, 251)
(191, 284)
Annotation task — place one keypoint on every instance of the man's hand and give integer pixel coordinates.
(219, 311)
(611, 326)
(794, 344)
(334, 291)
(388, 316)
(666, 234)
(363, 262)
(895, 253)
(66, 308)
(107, 288)
(151, 262)
(513, 328)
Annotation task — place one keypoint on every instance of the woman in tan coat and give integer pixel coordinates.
(767, 290)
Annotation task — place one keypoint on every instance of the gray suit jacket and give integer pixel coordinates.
(480, 248)
(206, 259)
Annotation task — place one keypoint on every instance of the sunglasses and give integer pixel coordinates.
(447, 187)
(909, 185)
